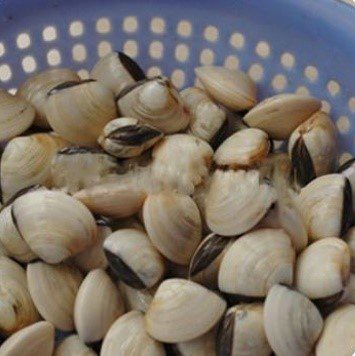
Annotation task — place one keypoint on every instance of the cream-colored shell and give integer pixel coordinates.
(97, 305)
(349, 293)
(173, 224)
(79, 113)
(53, 290)
(350, 239)
(135, 299)
(338, 336)
(257, 261)
(182, 310)
(204, 345)
(127, 336)
(323, 268)
(73, 346)
(236, 201)
(27, 161)
(16, 115)
(34, 340)
(55, 225)
(181, 162)
(279, 115)
(292, 322)
(36, 87)
(232, 88)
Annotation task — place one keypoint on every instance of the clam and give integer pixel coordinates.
(348, 171)
(76, 168)
(133, 258)
(36, 87)
(72, 346)
(34, 340)
(182, 310)
(97, 305)
(181, 162)
(78, 111)
(27, 161)
(350, 239)
(207, 118)
(292, 322)
(128, 137)
(53, 290)
(116, 199)
(205, 262)
(326, 206)
(156, 102)
(349, 293)
(242, 332)
(232, 88)
(245, 148)
(116, 70)
(55, 225)
(236, 201)
(255, 262)
(128, 336)
(323, 270)
(16, 306)
(313, 148)
(173, 223)
(279, 115)
(136, 299)
(16, 114)
(338, 336)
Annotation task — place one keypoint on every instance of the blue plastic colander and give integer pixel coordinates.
(305, 46)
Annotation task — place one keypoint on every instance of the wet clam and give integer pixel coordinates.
(27, 161)
(232, 88)
(326, 206)
(17, 309)
(338, 336)
(242, 332)
(255, 262)
(292, 322)
(97, 305)
(136, 299)
(128, 137)
(173, 223)
(245, 148)
(16, 114)
(182, 310)
(76, 168)
(279, 115)
(156, 102)
(72, 346)
(313, 148)
(78, 111)
(133, 258)
(36, 87)
(34, 340)
(350, 239)
(323, 270)
(189, 167)
(116, 70)
(207, 118)
(55, 225)
(206, 260)
(348, 171)
(236, 201)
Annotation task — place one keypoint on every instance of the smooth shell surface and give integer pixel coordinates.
(204, 345)
(73, 346)
(350, 239)
(136, 299)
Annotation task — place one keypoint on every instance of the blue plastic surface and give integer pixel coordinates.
(320, 34)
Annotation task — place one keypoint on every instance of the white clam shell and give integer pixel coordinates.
(350, 239)
(55, 225)
(73, 346)
(348, 171)
(34, 340)
(127, 336)
(182, 310)
(232, 88)
(97, 305)
(204, 345)
(237, 201)
(136, 299)
(279, 115)
(53, 290)
(173, 224)
(257, 261)
(292, 322)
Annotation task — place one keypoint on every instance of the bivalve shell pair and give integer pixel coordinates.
(182, 310)
(281, 114)
(156, 102)
(78, 111)
(73, 346)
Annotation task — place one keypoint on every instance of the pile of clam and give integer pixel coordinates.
(139, 220)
